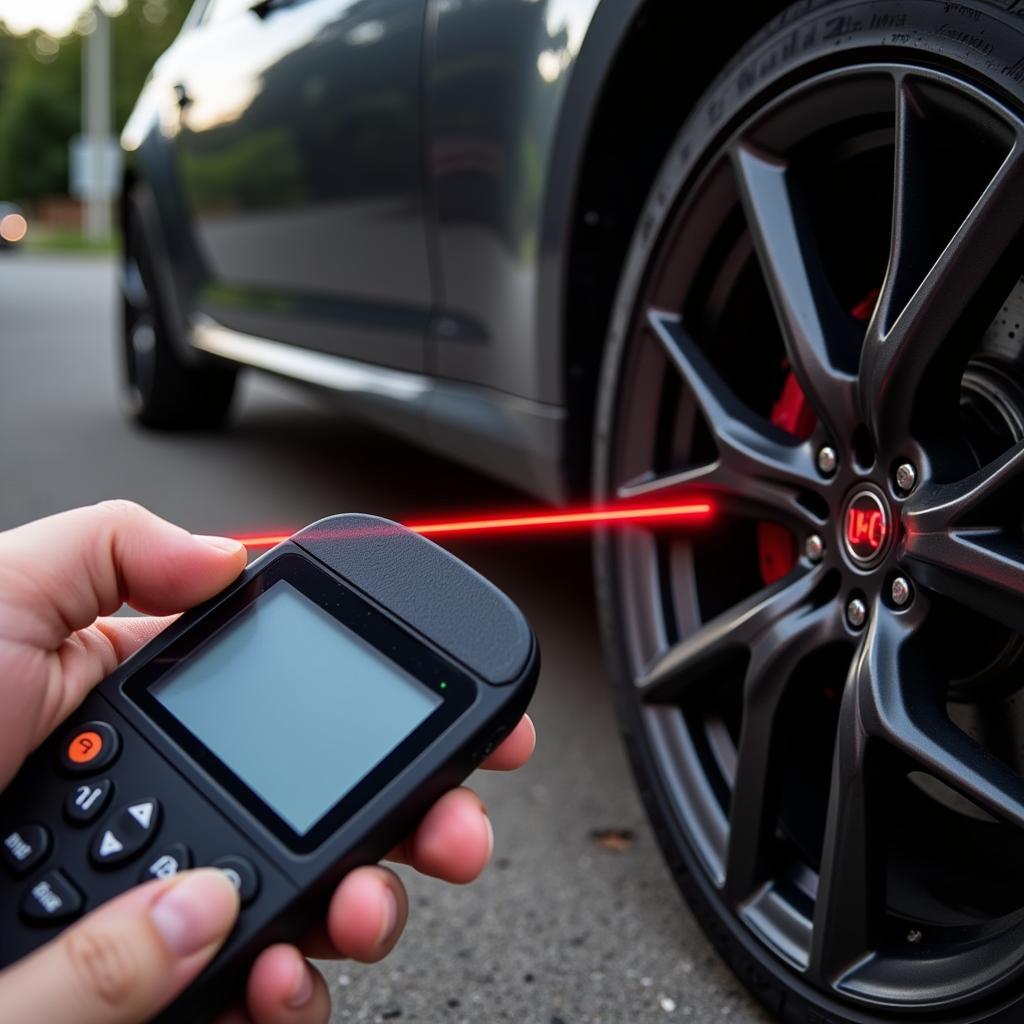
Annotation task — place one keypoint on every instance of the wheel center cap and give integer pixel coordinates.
(866, 527)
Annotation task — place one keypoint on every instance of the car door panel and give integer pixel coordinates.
(299, 153)
(498, 77)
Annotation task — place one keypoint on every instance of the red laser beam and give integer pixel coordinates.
(690, 512)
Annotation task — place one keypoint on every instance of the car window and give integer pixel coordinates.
(222, 10)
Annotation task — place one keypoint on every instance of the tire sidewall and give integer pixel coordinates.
(136, 393)
(983, 41)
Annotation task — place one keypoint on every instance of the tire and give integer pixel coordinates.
(683, 693)
(159, 389)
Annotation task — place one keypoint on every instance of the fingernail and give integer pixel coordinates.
(303, 990)
(390, 916)
(220, 543)
(490, 835)
(198, 910)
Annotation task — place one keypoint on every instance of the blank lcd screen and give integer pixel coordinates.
(294, 703)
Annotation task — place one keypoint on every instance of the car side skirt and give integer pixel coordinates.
(515, 439)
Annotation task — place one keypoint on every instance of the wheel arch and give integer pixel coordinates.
(625, 104)
(150, 191)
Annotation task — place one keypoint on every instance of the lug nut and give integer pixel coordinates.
(828, 460)
(900, 591)
(814, 547)
(906, 477)
(856, 613)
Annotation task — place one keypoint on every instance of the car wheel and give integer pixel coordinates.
(819, 330)
(159, 389)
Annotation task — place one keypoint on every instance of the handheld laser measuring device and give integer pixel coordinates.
(293, 727)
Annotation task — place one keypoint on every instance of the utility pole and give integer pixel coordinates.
(96, 127)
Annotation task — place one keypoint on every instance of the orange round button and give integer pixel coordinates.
(85, 747)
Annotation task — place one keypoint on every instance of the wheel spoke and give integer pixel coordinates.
(901, 696)
(923, 300)
(687, 664)
(939, 506)
(818, 334)
(849, 893)
(959, 544)
(762, 498)
(983, 569)
(698, 480)
(764, 737)
(750, 449)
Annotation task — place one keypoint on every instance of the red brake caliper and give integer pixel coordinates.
(776, 546)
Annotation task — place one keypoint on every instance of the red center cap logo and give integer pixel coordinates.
(866, 527)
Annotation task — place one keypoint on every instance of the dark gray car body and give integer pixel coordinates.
(421, 204)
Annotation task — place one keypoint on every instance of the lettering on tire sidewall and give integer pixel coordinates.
(989, 42)
(986, 36)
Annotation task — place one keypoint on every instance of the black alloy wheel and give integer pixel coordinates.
(820, 331)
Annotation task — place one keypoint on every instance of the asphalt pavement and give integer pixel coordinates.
(560, 929)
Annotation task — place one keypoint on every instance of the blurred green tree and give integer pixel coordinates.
(40, 91)
(39, 112)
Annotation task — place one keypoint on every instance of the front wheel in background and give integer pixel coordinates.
(159, 389)
(820, 331)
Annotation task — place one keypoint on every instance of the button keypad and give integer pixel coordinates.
(73, 839)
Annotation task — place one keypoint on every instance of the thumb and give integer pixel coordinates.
(58, 574)
(126, 961)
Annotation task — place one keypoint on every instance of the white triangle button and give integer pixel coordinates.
(142, 813)
(110, 844)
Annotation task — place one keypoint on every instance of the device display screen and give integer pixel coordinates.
(297, 705)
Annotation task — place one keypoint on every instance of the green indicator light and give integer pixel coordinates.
(444, 686)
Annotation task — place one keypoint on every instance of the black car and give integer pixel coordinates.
(647, 250)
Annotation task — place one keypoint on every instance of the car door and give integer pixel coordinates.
(298, 150)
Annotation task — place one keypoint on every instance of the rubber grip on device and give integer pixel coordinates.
(428, 588)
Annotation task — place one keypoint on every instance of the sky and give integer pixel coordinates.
(57, 17)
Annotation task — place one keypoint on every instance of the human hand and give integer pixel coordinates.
(61, 579)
